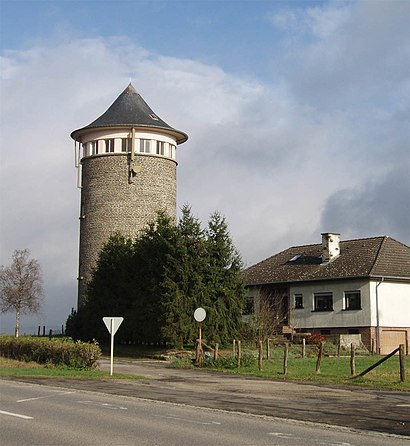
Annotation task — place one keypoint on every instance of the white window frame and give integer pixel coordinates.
(320, 296)
(299, 295)
(145, 146)
(109, 145)
(160, 149)
(346, 298)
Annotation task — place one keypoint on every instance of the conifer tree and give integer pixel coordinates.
(184, 288)
(226, 292)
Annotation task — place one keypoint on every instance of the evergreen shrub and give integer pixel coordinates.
(62, 351)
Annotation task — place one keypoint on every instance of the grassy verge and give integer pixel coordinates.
(333, 370)
(10, 368)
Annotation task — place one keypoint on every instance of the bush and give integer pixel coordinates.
(55, 351)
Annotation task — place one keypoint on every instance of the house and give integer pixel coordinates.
(339, 287)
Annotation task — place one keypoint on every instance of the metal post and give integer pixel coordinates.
(112, 347)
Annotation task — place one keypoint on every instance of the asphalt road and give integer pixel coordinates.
(43, 415)
(354, 408)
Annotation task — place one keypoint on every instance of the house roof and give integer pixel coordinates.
(130, 110)
(368, 257)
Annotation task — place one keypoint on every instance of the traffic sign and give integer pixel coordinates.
(112, 323)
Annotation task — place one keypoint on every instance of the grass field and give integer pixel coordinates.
(10, 368)
(333, 369)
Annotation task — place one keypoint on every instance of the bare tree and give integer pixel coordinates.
(270, 314)
(21, 286)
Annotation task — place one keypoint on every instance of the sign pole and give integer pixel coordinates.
(112, 348)
(199, 316)
(112, 324)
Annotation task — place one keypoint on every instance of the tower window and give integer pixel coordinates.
(109, 145)
(171, 151)
(160, 148)
(126, 145)
(94, 147)
(145, 146)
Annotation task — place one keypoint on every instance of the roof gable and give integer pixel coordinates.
(377, 256)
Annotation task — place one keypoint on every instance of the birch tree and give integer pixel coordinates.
(21, 286)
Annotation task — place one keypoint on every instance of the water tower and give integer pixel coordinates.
(126, 162)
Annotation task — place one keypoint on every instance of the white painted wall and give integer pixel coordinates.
(394, 304)
(118, 134)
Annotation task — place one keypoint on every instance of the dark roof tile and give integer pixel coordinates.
(377, 256)
(130, 110)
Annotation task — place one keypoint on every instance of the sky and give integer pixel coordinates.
(297, 114)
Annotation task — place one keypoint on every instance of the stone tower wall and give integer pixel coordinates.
(110, 203)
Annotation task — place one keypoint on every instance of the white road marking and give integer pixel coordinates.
(403, 405)
(188, 420)
(105, 405)
(283, 435)
(25, 417)
(42, 397)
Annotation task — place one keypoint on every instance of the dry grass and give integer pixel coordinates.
(6, 363)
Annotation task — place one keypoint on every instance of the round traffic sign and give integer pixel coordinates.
(199, 314)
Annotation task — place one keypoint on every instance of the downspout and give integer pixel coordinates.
(132, 168)
(377, 318)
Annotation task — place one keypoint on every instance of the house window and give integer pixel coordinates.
(145, 146)
(323, 302)
(249, 306)
(352, 301)
(126, 145)
(109, 145)
(160, 148)
(298, 301)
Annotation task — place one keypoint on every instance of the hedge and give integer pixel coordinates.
(51, 351)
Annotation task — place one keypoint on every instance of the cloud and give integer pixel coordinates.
(323, 141)
(379, 207)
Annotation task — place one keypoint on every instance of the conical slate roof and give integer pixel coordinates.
(130, 110)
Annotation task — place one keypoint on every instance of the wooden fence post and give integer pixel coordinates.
(268, 349)
(303, 347)
(285, 359)
(352, 360)
(234, 348)
(401, 360)
(385, 358)
(38, 332)
(319, 358)
(239, 354)
(216, 352)
(260, 355)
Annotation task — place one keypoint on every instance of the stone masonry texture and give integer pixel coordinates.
(111, 204)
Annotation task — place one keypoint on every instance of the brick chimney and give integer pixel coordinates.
(330, 246)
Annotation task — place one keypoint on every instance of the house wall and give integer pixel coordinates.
(308, 318)
(394, 304)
